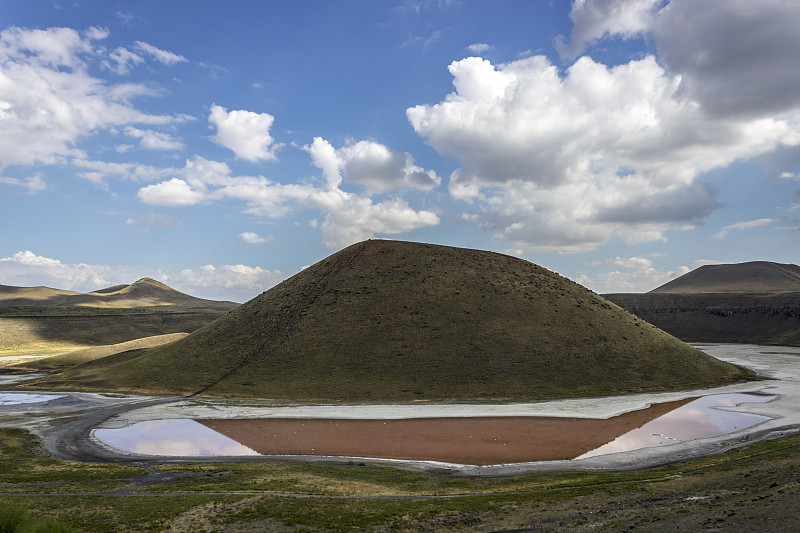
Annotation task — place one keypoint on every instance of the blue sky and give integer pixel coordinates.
(220, 147)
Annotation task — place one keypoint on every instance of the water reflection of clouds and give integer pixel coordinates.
(17, 398)
(175, 437)
(696, 420)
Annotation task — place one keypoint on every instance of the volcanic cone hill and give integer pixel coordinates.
(749, 278)
(398, 321)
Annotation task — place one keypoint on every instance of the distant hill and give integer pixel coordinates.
(398, 321)
(750, 278)
(144, 293)
(756, 302)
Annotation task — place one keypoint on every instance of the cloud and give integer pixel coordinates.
(348, 217)
(735, 57)
(570, 161)
(738, 226)
(230, 282)
(351, 218)
(154, 140)
(702, 262)
(152, 219)
(425, 41)
(127, 18)
(123, 60)
(33, 184)
(26, 269)
(478, 48)
(637, 263)
(237, 282)
(594, 19)
(373, 165)
(174, 192)
(244, 132)
(98, 171)
(252, 238)
(638, 275)
(357, 218)
(49, 101)
(162, 56)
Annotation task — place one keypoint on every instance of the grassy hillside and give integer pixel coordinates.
(743, 278)
(397, 321)
(26, 330)
(144, 293)
(84, 355)
(719, 317)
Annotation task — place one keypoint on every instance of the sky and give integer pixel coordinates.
(221, 147)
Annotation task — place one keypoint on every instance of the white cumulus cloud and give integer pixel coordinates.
(251, 237)
(237, 282)
(26, 269)
(570, 161)
(357, 218)
(48, 99)
(371, 164)
(633, 274)
(244, 132)
(348, 217)
(174, 192)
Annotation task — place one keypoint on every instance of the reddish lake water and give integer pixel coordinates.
(464, 440)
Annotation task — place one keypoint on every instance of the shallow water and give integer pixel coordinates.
(17, 398)
(698, 419)
(463, 440)
(173, 437)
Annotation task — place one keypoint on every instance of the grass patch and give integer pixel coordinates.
(24, 461)
(757, 483)
(14, 518)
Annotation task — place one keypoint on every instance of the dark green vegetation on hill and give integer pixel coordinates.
(397, 321)
(756, 302)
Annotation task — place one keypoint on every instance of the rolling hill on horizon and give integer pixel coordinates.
(749, 277)
(145, 292)
(397, 321)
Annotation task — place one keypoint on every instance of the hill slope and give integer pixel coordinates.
(144, 293)
(397, 321)
(756, 302)
(752, 277)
